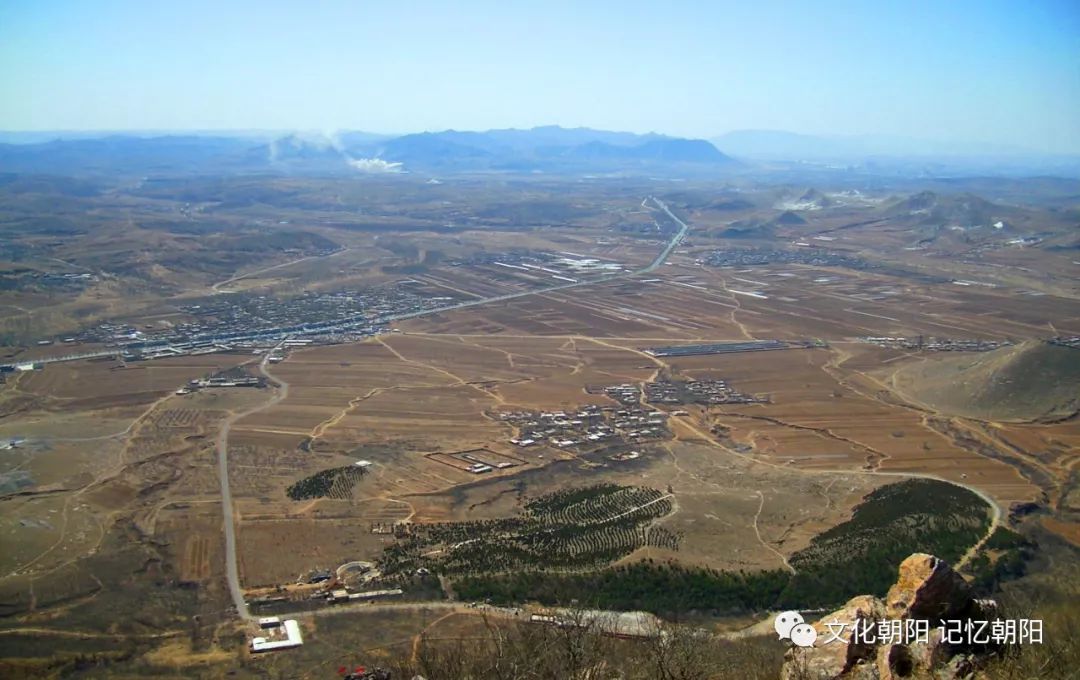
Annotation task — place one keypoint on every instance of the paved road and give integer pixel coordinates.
(673, 244)
(232, 569)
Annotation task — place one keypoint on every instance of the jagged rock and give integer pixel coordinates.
(929, 655)
(894, 661)
(834, 660)
(913, 660)
(928, 588)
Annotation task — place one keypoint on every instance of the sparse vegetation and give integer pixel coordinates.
(523, 652)
(572, 528)
(113, 516)
(1034, 380)
(858, 556)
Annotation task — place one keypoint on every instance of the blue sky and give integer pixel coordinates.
(985, 71)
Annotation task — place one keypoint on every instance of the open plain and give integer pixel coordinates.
(492, 347)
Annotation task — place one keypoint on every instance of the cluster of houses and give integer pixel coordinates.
(344, 584)
(1071, 341)
(587, 426)
(337, 307)
(481, 465)
(805, 254)
(698, 392)
(626, 625)
(925, 344)
(626, 393)
(241, 321)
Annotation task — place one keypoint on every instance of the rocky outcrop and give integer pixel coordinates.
(834, 660)
(927, 589)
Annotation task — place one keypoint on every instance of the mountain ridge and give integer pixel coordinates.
(542, 149)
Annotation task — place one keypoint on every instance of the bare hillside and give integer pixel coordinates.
(1027, 382)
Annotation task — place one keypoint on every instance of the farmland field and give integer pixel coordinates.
(458, 447)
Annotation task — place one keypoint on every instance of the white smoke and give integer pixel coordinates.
(373, 165)
(329, 139)
(301, 139)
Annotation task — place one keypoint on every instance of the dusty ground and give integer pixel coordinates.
(113, 459)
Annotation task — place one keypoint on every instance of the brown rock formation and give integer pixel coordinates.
(927, 589)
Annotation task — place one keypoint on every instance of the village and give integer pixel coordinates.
(931, 344)
(749, 257)
(698, 392)
(590, 427)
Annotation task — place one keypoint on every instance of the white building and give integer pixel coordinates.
(292, 638)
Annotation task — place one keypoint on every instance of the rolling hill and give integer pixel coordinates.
(1031, 381)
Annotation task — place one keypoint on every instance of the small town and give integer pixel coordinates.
(237, 318)
(259, 323)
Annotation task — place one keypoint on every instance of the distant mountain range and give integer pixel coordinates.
(791, 146)
(896, 156)
(549, 149)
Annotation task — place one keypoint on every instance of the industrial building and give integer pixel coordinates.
(719, 348)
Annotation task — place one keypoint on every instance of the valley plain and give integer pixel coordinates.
(723, 370)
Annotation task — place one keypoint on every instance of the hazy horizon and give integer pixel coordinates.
(1001, 74)
(836, 146)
